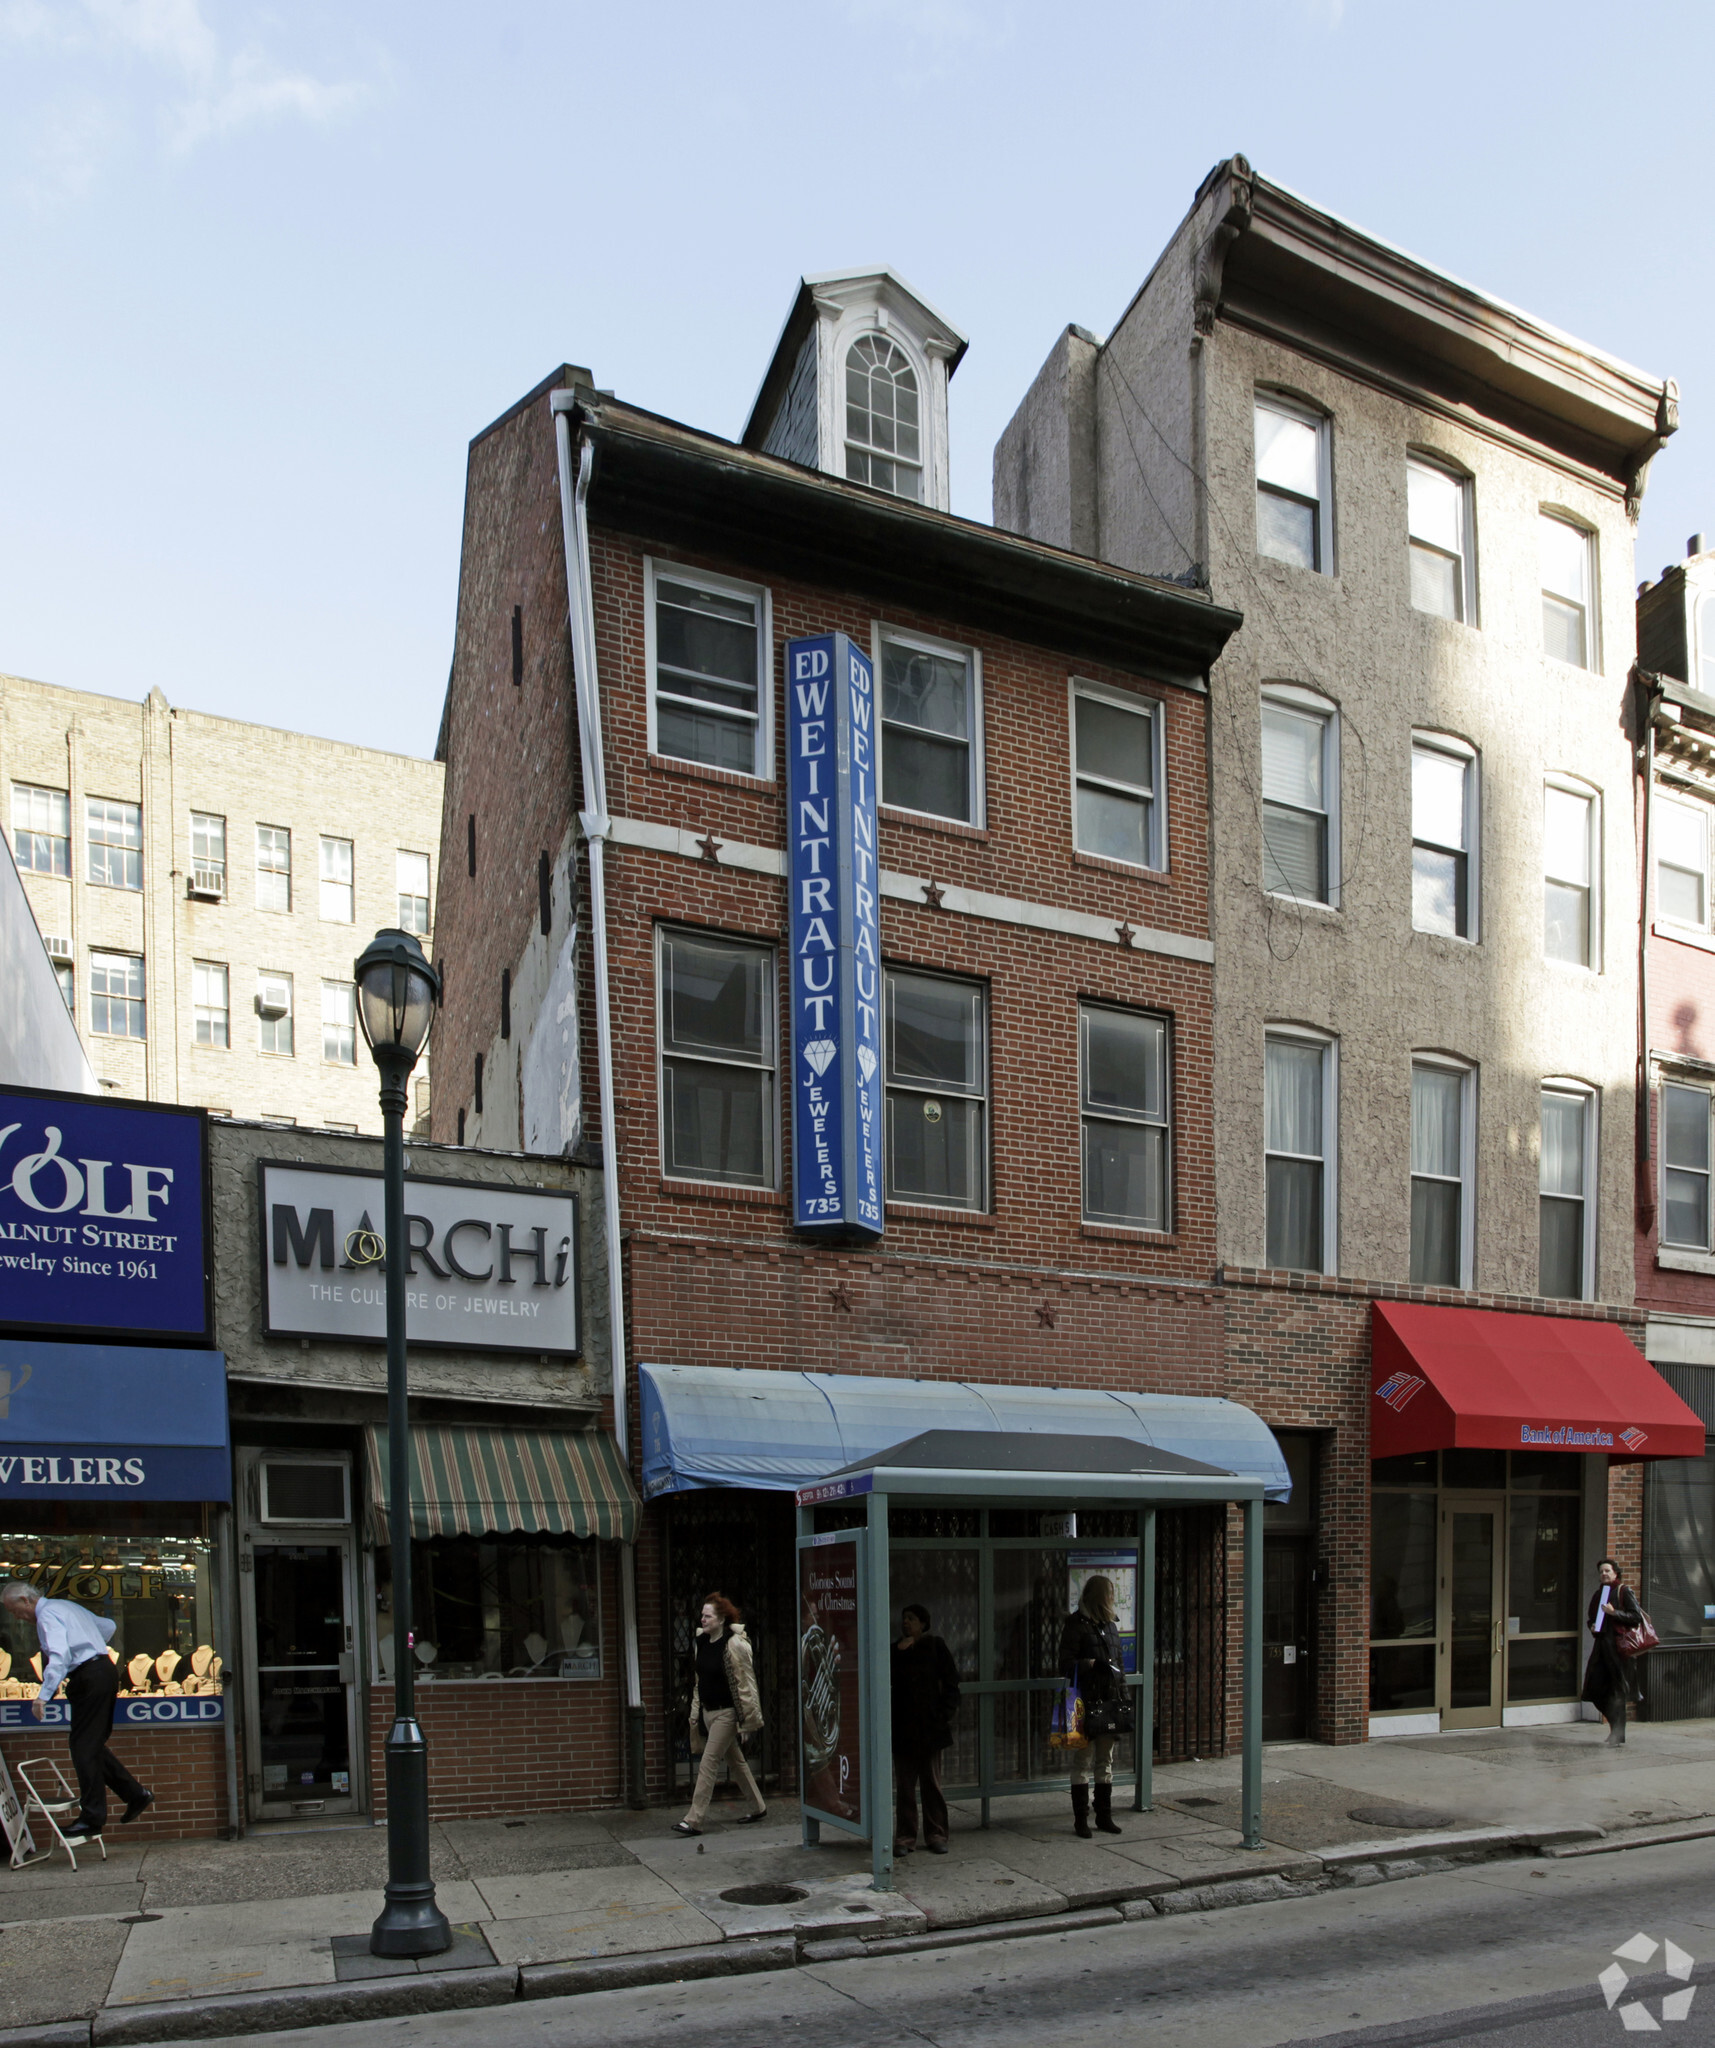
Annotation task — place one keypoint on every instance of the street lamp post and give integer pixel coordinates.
(396, 992)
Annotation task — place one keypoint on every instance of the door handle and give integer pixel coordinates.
(1495, 1645)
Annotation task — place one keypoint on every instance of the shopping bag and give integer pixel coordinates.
(1066, 1724)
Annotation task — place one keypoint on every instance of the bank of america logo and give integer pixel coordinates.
(1398, 1391)
(1632, 1438)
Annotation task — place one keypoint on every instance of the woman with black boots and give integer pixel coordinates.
(1613, 1606)
(1090, 1652)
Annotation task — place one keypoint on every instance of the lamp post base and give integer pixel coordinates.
(410, 1924)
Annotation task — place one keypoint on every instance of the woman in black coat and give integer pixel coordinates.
(1090, 1646)
(1612, 1606)
(925, 1699)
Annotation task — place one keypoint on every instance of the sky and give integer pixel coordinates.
(264, 271)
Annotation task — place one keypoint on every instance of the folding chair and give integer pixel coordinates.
(53, 1810)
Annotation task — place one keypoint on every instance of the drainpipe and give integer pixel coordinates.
(1649, 692)
(596, 824)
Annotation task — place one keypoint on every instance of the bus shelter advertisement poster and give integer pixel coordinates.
(830, 1680)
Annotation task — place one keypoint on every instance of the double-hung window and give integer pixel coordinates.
(937, 1090)
(1567, 1176)
(208, 854)
(211, 1012)
(273, 868)
(337, 905)
(1292, 483)
(1681, 832)
(116, 999)
(1443, 837)
(709, 663)
(1438, 511)
(339, 1024)
(717, 1025)
(1571, 907)
(931, 754)
(1441, 1151)
(1685, 1166)
(114, 832)
(1125, 1117)
(1567, 555)
(1300, 786)
(67, 983)
(1117, 806)
(1299, 1145)
(274, 1012)
(412, 871)
(41, 829)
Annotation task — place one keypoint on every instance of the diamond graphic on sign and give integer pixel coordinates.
(819, 1052)
(866, 1064)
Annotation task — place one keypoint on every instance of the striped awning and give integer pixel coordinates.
(508, 1482)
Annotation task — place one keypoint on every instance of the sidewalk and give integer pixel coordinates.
(207, 1938)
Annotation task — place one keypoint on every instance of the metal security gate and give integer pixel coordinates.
(740, 1543)
(1190, 1633)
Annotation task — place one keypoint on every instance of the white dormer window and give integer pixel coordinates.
(884, 439)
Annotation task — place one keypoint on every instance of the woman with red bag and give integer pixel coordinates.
(1613, 1607)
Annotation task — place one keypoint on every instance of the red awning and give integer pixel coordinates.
(1467, 1378)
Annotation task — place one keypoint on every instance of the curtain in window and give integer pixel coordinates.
(1563, 1144)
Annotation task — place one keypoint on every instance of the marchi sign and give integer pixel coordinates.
(103, 1209)
(831, 722)
(488, 1267)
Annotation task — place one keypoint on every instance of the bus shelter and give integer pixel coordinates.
(1006, 1524)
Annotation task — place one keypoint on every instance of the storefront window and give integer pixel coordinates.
(496, 1608)
(154, 1580)
(1679, 1548)
(1402, 1601)
(1542, 1597)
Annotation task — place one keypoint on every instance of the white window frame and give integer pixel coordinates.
(109, 804)
(267, 978)
(777, 1072)
(24, 795)
(1089, 1114)
(655, 566)
(1141, 705)
(325, 881)
(1423, 458)
(349, 991)
(1701, 811)
(201, 1008)
(1692, 1087)
(1295, 697)
(927, 643)
(105, 954)
(1574, 786)
(982, 1095)
(1460, 750)
(1592, 662)
(1447, 1063)
(65, 979)
(1304, 1034)
(889, 337)
(268, 909)
(201, 821)
(1267, 399)
(402, 853)
(1565, 1085)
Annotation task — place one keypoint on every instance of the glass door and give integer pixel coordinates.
(302, 1672)
(1472, 1531)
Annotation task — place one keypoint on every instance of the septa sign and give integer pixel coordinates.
(831, 725)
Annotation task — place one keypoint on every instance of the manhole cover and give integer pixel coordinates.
(765, 1895)
(1400, 1817)
(1198, 1799)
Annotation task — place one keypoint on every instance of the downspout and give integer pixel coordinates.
(596, 824)
(1649, 690)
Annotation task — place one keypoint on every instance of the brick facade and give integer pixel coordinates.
(184, 1768)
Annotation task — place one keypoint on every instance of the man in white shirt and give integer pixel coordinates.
(74, 1649)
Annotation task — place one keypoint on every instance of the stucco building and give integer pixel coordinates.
(203, 886)
(1423, 889)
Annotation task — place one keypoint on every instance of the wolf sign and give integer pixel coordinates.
(836, 939)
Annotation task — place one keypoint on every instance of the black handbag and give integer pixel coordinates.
(1111, 1716)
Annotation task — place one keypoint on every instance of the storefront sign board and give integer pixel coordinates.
(19, 1840)
(112, 1422)
(489, 1268)
(831, 1681)
(199, 1710)
(103, 1218)
(831, 731)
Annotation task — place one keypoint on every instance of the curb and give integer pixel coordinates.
(1643, 1838)
(306, 2005)
(660, 1966)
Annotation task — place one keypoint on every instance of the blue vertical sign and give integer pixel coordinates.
(836, 937)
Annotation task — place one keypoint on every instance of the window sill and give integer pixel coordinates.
(1683, 935)
(925, 1212)
(700, 771)
(1104, 865)
(721, 1191)
(1302, 903)
(921, 821)
(121, 888)
(1671, 1259)
(1131, 1233)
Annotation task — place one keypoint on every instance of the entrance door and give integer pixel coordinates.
(301, 1677)
(1285, 1638)
(1473, 1530)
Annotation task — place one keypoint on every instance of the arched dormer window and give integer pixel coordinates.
(884, 439)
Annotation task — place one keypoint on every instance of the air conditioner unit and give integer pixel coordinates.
(58, 949)
(208, 882)
(271, 1003)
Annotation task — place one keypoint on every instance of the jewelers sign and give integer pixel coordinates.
(488, 1268)
(836, 946)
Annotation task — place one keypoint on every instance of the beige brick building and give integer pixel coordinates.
(203, 886)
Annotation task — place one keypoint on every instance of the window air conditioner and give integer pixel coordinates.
(208, 882)
(58, 949)
(271, 1003)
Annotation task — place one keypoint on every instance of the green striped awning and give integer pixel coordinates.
(509, 1482)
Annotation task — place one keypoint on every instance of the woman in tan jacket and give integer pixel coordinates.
(725, 1706)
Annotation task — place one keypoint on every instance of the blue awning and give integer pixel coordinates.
(112, 1422)
(733, 1426)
